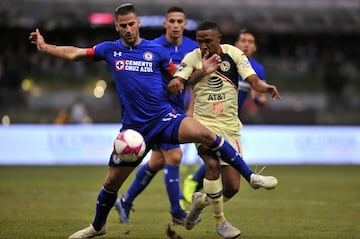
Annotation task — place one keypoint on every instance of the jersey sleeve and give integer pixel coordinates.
(190, 63)
(99, 51)
(243, 64)
(166, 63)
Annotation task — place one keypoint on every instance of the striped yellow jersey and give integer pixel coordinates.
(216, 94)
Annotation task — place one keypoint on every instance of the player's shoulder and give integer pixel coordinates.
(194, 53)
(159, 40)
(109, 44)
(101, 48)
(227, 48)
(150, 44)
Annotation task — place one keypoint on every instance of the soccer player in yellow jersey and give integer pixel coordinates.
(247, 43)
(213, 71)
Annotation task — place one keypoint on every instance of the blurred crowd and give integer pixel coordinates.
(323, 64)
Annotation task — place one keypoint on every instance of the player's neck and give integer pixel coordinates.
(175, 41)
(132, 44)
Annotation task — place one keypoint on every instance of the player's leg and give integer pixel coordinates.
(193, 183)
(230, 176)
(231, 181)
(192, 131)
(142, 179)
(173, 155)
(213, 189)
(105, 201)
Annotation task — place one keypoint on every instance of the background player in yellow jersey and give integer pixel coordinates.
(216, 107)
(247, 43)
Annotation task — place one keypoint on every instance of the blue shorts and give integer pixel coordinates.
(166, 147)
(160, 131)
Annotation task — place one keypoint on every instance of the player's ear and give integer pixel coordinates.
(138, 22)
(116, 26)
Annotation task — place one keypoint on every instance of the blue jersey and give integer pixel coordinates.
(177, 53)
(244, 87)
(137, 73)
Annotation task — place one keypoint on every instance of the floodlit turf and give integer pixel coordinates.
(310, 202)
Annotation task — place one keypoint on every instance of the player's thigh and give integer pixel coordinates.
(231, 180)
(191, 131)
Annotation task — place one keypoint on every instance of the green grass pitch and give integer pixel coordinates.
(310, 202)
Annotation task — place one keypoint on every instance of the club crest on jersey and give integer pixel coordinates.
(148, 56)
(119, 65)
(225, 66)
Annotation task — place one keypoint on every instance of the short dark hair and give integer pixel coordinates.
(175, 9)
(245, 30)
(124, 9)
(207, 26)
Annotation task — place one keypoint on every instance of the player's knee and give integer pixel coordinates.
(175, 161)
(206, 137)
(156, 164)
(230, 191)
(112, 185)
(212, 170)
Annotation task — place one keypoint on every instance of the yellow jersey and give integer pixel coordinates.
(216, 94)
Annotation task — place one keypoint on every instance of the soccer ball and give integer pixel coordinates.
(129, 145)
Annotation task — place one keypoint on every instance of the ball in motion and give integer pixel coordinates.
(129, 145)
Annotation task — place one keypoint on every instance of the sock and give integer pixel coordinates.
(143, 177)
(171, 178)
(105, 202)
(213, 190)
(199, 176)
(231, 156)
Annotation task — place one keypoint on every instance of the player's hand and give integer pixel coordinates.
(37, 39)
(275, 95)
(210, 64)
(175, 86)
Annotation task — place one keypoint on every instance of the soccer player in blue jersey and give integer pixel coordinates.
(138, 66)
(167, 156)
(247, 43)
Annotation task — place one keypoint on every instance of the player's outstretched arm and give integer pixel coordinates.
(262, 87)
(65, 52)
